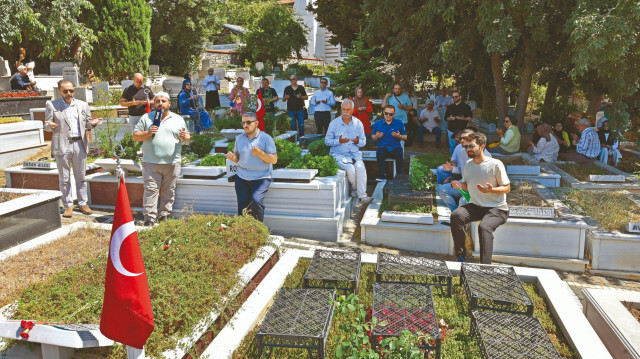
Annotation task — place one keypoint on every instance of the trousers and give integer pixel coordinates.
(159, 181)
(490, 218)
(76, 156)
(250, 195)
(322, 118)
(357, 176)
(382, 153)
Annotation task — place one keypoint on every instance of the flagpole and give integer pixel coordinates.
(135, 353)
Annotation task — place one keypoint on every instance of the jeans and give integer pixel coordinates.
(441, 174)
(297, 120)
(499, 151)
(436, 131)
(450, 196)
(322, 118)
(382, 153)
(452, 142)
(490, 218)
(250, 196)
(604, 155)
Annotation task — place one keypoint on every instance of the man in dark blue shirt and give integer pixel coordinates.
(389, 132)
(20, 81)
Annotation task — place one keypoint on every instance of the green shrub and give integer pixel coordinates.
(201, 145)
(421, 176)
(276, 125)
(130, 147)
(231, 120)
(216, 160)
(287, 152)
(326, 165)
(231, 146)
(318, 148)
(188, 157)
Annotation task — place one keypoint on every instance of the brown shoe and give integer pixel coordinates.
(68, 212)
(85, 209)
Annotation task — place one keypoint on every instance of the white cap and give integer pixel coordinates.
(162, 93)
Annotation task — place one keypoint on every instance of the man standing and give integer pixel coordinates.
(323, 100)
(429, 120)
(294, 96)
(389, 133)
(161, 148)
(487, 182)
(254, 152)
(135, 98)
(345, 136)
(457, 116)
(20, 80)
(68, 119)
(587, 145)
(269, 96)
(212, 86)
(402, 104)
(442, 103)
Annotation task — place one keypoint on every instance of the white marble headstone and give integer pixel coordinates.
(221, 72)
(523, 170)
(39, 165)
(71, 74)
(154, 69)
(407, 217)
(126, 83)
(531, 212)
(607, 178)
(232, 168)
(4, 68)
(259, 66)
(55, 68)
(632, 227)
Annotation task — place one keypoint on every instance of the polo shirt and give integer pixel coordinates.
(165, 147)
(250, 166)
(387, 140)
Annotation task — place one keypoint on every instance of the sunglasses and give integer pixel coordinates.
(471, 146)
(506, 121)
(389, 114)
(456, 96)
(68, 91)
(292, 79)
(323, 82)
(247, 122)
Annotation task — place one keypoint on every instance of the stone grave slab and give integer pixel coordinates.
(632, 227)
(410, 196)
(285, 174)
(523, 170)
(399, 182)
(531, 212)
(221, 72)
(232, 168)
(154, 69)
(109, 164)
(55, 68)
(39, 165)
(407, 217)
(607, 178)
(203, 171)
(71, 74)
(230, 134)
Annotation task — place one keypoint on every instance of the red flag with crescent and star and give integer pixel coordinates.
(260, 111)
(148, 107)
(126, 316)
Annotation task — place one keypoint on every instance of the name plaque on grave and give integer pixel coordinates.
(39, 165)
(531, 212)
(232, 168)
(407, 217)
(606, 178)
(632, 227)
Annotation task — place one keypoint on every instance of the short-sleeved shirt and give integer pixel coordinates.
(489, 171)
(431, 122)
(454, 110)
(442, 102)
(250, 166)
(394, 101)
(133, 93)
(387, 140)
(294, 103)
(165, 146)
(268, 93)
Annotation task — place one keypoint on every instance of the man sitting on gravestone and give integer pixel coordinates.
(389, 132)
(135, 98)
(587, 145)
(488, 184)
(20, 80)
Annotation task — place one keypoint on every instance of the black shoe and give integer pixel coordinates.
(162, 219)
(149, 222)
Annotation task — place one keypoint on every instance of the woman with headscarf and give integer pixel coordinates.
(361, 109)
(190, 102)
(562, 137)
(547, 147)
(239, 95)
(608, 144)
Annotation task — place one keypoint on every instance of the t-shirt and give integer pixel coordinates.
(460, 157)
(454, 110)
(489, 171)
(443, 102)
(294, 103)
(430, 123)
(250, 166)
(387, 140)
(394, 101)
(165, 147)
(133, 93)
(268, 93)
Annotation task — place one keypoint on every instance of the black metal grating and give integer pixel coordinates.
(299, 318)
(416, 270)
(406, 307)
(495, 288)
(508, 336)
(332, 269)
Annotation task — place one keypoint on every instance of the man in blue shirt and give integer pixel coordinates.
(323, 99)
(389, 132)
(254, 152)
(20, 80)
(403, 105)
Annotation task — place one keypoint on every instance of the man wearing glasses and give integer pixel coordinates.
(323, 99)
(254, 152)
(457, 116)
(68, 119)
(488, 184)
(294, 96)
(389, 133)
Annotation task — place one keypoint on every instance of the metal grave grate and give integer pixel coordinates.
(495, 288)
(417, 270)
(508, 336)
(406, 307)
(332, 269)
(299, 318)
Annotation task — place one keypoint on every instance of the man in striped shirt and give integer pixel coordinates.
(587, 146)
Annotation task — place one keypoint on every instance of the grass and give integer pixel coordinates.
(458, 344)
(611, 209)
(8, 196)
(433, 160)
(582, 172)
(190, 267)
(525, 195)
(406, 207)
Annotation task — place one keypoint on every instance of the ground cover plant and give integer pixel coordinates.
(8, 196)
(407, 207)
(432, 160)
(458, 344)
(420, 176)
(191, 265)
(581, 172)
(611, 209)
(326, 165)
(318, 148)
(287, 152)
(523, 194)
(214, 160)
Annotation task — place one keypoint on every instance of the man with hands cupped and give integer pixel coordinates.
(389, 132)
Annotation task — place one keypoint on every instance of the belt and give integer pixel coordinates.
(77, 138)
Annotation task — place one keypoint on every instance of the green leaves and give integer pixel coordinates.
(287, 152)
(326, 165)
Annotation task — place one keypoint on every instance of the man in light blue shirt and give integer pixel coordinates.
(400, 101)
(254, 152)
(442, 102)
(212, 85)
(345, 136)
(322, 99)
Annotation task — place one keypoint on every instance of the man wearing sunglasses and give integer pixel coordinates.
(294, 96)
(389, 132)
(68, 119)
(488, 184)
(457, 116)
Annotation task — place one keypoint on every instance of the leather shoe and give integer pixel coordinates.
(149, 222)
(68, 212)
(85, 209)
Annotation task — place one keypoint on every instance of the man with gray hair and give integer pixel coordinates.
(20, 80)
(345, 136)
(161, 160)
(587, 145)
(135, 98)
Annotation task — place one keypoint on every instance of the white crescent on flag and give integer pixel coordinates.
(122, 233)
(259, 105)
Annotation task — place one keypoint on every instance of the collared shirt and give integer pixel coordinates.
(71, 111)
(431, 122)
(461, 109)
(165, 147)
(250, 166)
(394, 101)
(387, 140)
(321, 95)
(589, 144)
(19, 82)
(268, 94)
(210, 82)
(338, 128)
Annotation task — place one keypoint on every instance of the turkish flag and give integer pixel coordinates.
(260, 111)
(148, 107)
(126, 311)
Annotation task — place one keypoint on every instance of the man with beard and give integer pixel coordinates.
(487, 182)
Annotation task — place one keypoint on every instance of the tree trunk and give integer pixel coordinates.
(525, 88)
(498, 80)
(550, 95)
(595, 99)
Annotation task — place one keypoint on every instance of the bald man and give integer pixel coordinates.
(135, 98)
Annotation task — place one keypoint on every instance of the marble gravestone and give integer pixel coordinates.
(259, 66)
(607, 178)
(71, 74)
(154, 69)
(531, 212)
(55, 68)
(125, 83)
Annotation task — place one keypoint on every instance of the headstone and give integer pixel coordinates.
(531, 212)
(231, 133)
(398, 196)
(39, 165)
(71, 74)
(294, 174)
(205, 64)
(232, 168)
(633, 227)
(607, 178)
(100, 92)
(221, 72)
(407, 217)
(259, 66)
(126, 83)
(55, 68)
(492, 128)
(172, 86)
(523, 170)
(154, 69)
(4, 68)
(245, 75)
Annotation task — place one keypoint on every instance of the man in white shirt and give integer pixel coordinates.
(323, 100)
(442, 102)
(428, 121)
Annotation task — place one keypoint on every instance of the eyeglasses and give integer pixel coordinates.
(68, 91)
(456, 96)
(292, 79)
(471, 146)
(323, 82)
(506, 121)
(389, 114)
(247, 122)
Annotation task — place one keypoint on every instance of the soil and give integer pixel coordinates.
(633, 309)
(581, 172)
(513, 161)
(611, 209)
(8, 196)
(525, 195)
